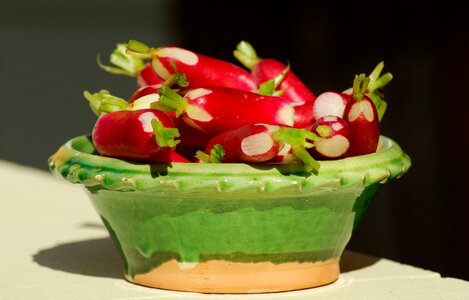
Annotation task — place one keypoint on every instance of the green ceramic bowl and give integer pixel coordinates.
(229, 228)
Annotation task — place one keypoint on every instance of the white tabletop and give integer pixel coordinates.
(53, 246)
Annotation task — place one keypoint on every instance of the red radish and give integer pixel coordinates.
(145, 134)
(215, 109)
(257, 143)
(362, 117)
(201, 70)
(265, 69)
(333, 138)
(251, 143)
(292, 88)
(330, 104)
(375, 87)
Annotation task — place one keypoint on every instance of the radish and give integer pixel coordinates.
(214, 109)
(375, 87)
(362, 117)
(201, 70)
(330, 104)
(281, 78)
(333, 138)
(145, 134)
(251, 143)
(258, 143)
(265, 69)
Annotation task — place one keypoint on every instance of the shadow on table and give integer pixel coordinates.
(351, 261)
(99, 257)
(96, 257)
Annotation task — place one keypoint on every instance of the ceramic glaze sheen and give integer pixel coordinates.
(229, 228)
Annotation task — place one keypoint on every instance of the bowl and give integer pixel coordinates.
(229, 228)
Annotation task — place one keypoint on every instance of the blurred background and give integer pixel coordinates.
(48, 58)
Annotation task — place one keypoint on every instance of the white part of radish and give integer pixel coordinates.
(330, 118)
(333, 147)
(337, 126)
(257, 144)
(360, 107)
(348, 91)
(185, 56)
(197, 93)
(145, 120)
(145, 101)
(160, 70)
(198, 114)
(328, 103)
(192, 124)
(270, 128)
(286, 115)
(297, 103)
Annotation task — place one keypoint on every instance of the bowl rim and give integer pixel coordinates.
(78, 162)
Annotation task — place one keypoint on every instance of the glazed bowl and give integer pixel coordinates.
(229, 228)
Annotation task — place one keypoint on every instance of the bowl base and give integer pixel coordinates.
(223, 277)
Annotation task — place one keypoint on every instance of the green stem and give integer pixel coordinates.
(217, 154)
(246, 54)
(360, 84)
(104, 102)
(299, 140)
(323, 131)
(140, 50)
(269, 87)
(164, 137)
(381, 82)
(176, 78)
(377, 82)
(374, 75)
(126, 64)
(170, 101)
(309, 163)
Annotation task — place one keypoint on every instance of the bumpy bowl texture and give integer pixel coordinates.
(229, 228)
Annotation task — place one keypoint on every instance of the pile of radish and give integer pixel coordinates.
(189, 107)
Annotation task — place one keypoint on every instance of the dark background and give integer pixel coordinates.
(48, 57)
